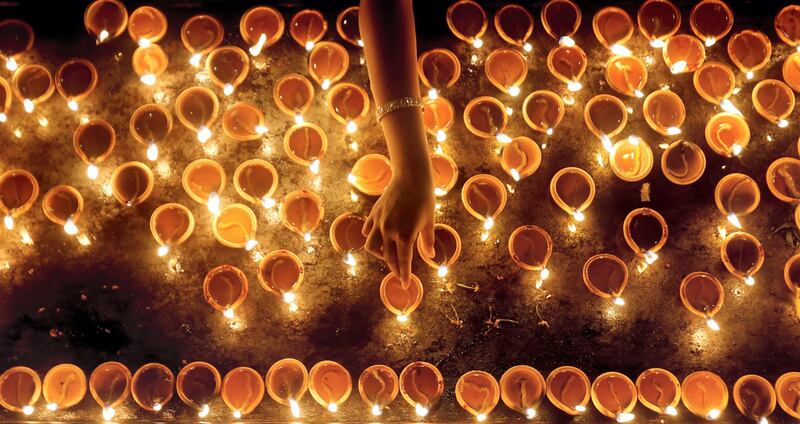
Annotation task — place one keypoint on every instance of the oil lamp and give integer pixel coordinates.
(606, 276)
(152, 386)
(225, 288)
(242, 390)
(568, 389)
(110, 386)
(150, 125)
(330, 384)
(20, 388)
(614, 395)
(18, 192)
(105, 19)
(327, 63)
(521, 158)
(63, 205)
(613, 27)
(197, 109)
(478, 393)
(754, 397)
(256, 181)
(704, 394)
(467, 21)
(93, 142)
(75, 80)
(228, 67)
(522, 388)
(261, 27)
(281, 273)
(399, 297)
(658, 21)
(17, 39)
(302, 211)
(147, 25)
(132, 183)
(626, 75)
(701, 293)
(711, 20)
(347, 26)
(750, 51)
(235, 226)
(506, 69)
(197, 384)
(683, 162)
(543, 110)
(243, 121)
(307, 28)
(421, 385)
(659, 391)
(63, 387)
(149, 62)
(378, 386)
(200, 34)
(438, 69)
(171, 224)
(287, 383)
(514, 24)
(32, 85)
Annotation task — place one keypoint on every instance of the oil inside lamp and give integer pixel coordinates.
(543, 110)
(467, 21)
(307, 27)
(714, 82)
(754, 397)
(152, 386)
(727, 134)
(132, 183)
(287, 383)
(6, 96)
(93, 142)
(171, 224)
(32, 85)
(63, 205)
(613, 27)
(302, 212)
(20, 388)
(243, 121)
(711, 20)
(773, 100)
(614, 395)
(293, 94)
(521, 389)
(421, 385)
(787, 25)
(438, 116)
(347, 26)
(742, 255)
(626, 75)
(147, 25)
(787, 392)
(530, 247)
(573, 191)
(306, 143)
(438, 69)
(478, 393)
(110, 385)
(378, 386)
(484, 196)
(401, 298)
(664, 112)
(330, 384)
(17, 38)
(228, 67)
(683, 162)
(348, 104)
(281, 273)
(506, 69)
(658, 20)
(447, 248)
(750, 51)
(561, 19)
(200, 34)
(235, 226)
(791, 71)
(704, 394)
(371, 174)
(242, 390)
(261, 27)
(701, 293)
(736, 195)
(75, 80)
(327, 63)
(568, 388)
(256, 181)
(203, 180)
(105, 19)
(18, 192)
(659, 391)
(683, 53)
(605, 115)
(198, 383)
(149, 62)
(225, 288)
(521, 157)
(514, 24)
(64, 386)
(783, 179)
(567, 63)
(606, 276)
(197, 109)
(645, 231)
(150, 124)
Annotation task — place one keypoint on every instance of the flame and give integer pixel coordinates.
(566, 41)
(513, 91)
(70, 227)
(203, 134)
(714, 414)
(678, 67)
(204, 410)
(670, 410)
(527, 47)
(376, 410)
(103, 36)
(268, 202)
(333, 407)
(52, 406)
(195, 60)
(712, 324)
(255, 50)
(710, 41)
(314, 167)
(228, 313)
(574, 86)
(294, 407)
(72, 105)
(477, 43)
(624, 417)
(163, 250)
(433, 94)
(503, 138)
(326, 84)
(514, 174)
(152, 152)
(441, 136)
(351, 127)
(402, 318)
(92, 171)
(310, 45)
(214, 203)
(657, 44)
(8, 220)
(108, 413)
(148, 79)
(11, 64)
(227, 89)
(620, 50)
(421, 410)
(28, 105)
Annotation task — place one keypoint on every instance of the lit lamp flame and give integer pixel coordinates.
(619, 302)
(27, 410)
(736, 149)
(52, 406)
(314, 167)
(763, 420)
(606, 143)
(204, 410)
(433, 94)
(579, 216)
(712, 324)
(376, 410)
(442, 271)
(620, 50)
(157, 407)
(9, 221)
(438, 191)
(163, 250)
(3, 117)
(195, 60)
(566, 41)
(513, 91)
(673, 131)
(713, 414)
(294, 407)
(580, 408)
(72, 105)
(749, 75)
(28, 105)
(250, 245)
(261, 129)
(360, 42)
(298, 118)
(734, 220)
(333, 407)
(11, 64)
(638, 93)
(710, 41)
(152, 151)
(421, 410)
(70, 227)
(574, 86)
(255, 50)
(351, 127)
(237, 414)
(227, 89)
(650, 257)
(514, 174)
(307, 237)
(350, 260)
(657, 44)
(92, 171)
(102, 37)
(678, 67)
(441, 136)
(148, 79)
(480, 418)
(783, 123)
(268, 202)
(727, 106)
(108, 413)
(503, 138)
(214, 203)
(509, 110)
(543, 274)
(403, 319)
(228, 313)
(749, 280)
(527, 47)
(309, 45)
(670, 410)
(326, 84)
(144, 42)
(203, 134)
(625, 417)
(477, 43)
(530, 413)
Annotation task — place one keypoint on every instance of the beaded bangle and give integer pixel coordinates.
(397, 104)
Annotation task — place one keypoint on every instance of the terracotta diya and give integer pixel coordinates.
(110, 386)
(261, 27)
(736, 195)
(749, 50)
(659, 391)
(63, 205)
(150, 125)
(305, 144)
(203, 180)
(543, 110)
(152, 386)
(438, 69)
(614, 395)
(18, 192)
(683, 53)
(573, 191)
(445, 173)
(147, 25)
(197, 109)
(349, 104)
(773, 100)
(421, 385)
(704, 394)
(711, 20)
(664, 112)
(521, 157)
(132, 183)
(506, 69)
(256, 181)
(225, 288)
(171, 224)
(560, 18)
(613, 27)
(530, 247)
(378, 386)
(485, 116)
(437, 116)
(302, 212)
(235, 226)
(626, 75)
(786, 388)
(198, 383)
(346, 236)
(347, 26)
(243, 121)
(514, 24)
(307, 27)
(567, 63)
(287, 383)
(467, 21)
(371, 174)
(478, 393)
(658, 20)
(32, 85)
(328, 63)
(330, 384)
(6, 96)
(791, 71)
(645, 232)
(714, 82)
(75, 80)
(606, 276)
(522, 388)
(401, 298)
(227, 66)
(787, 25)
(293, 94)
(568, 389)
(17, 39)
(727, 134)
(20, 388)
(281, 273)
(742, 255)
(105, 19)
(447, 248)
(683, 162)
(702, 294)
(200, 34)
(242, 390)
(783, 179)
(754, 397)
(605, 115)
(484, 196)
(93, 142)
(64, 386)
(149, 62)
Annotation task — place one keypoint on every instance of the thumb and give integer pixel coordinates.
(428, 239)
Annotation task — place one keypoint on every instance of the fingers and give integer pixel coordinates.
(428, 239)
(374, 243)
(390, 256)
(404, 257)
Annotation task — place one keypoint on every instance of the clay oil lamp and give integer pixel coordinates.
(371, 174)
(791, 276)
(281, 273)
(347, 26)
(736, 195)
(198, 383)
(727, 134)
(506, 69)
(421, 385)
(613, 27)
(235, 226)
(287, 383)
(149, 62)
(132, 183)
(200, 34)
(704, 394)
(573, 191)
(445, 173)
(626, 75)
(561, 19)
(20, 388)
(329, 384)
(791, 71)
(150, 125)
(18, 192)
(486, 117)
(683, 162)
(327, 63)
(438, 69)
(307, 27)
(147, 25)
(659, 391)
(543, 110)
(484, 196)
(438, 116)
(256, 181)
(171, 224)
(787, 25)
(242, 390)
(227, 66)
(467, 21)
(75, 80)
(701, 293)
(514, 24)
(568, 389)
(522, 388)
(152, 386)
(32, 85)
(293, 94)
(261, 27)
(787, 389)
(606, 276)
(754, 397)
(305, 144)
(63, 205)
(530, 247)
(349, 104)
(64, 386)
(614, 395)
(714, 82)
(658, 21)
(17, 39)
(447, 248)
(750, 51)
(664, 112)
(203, 180)
(225, 288)
(378, 386)
(783, 179)
(521, 158)
(302, 212)
(567, 63)
(347, 237)
(711, 20)
(197, 109)
(742, 255)
(243, 121)
(105, 19)
(478, 393)
(401, 298)
(606, 116)
(773, 100)
(93, 142)
(683, 53)
(6, 96)
(645, 231)
(110, 386)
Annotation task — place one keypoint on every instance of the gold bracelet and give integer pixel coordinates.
(397, 104)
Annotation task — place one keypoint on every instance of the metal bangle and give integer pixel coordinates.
(401, 103)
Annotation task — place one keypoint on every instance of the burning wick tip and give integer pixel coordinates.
(27, 410)
(376, 410)
(332, 407)
(228, 313)
(670, 410)
(204, 410)
(402, 318)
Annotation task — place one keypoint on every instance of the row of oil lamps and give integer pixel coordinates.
(522, 389)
